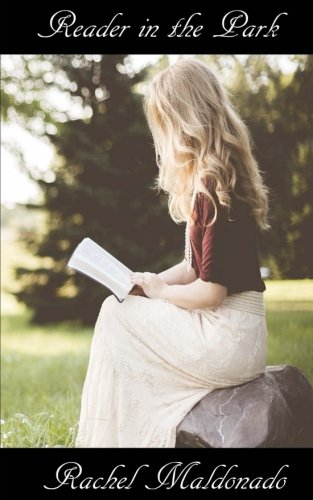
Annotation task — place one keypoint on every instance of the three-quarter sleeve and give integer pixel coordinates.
(226, 251)
(215, 248)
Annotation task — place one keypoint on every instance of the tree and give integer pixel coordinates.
(299, 105)
(102, 189)
(278, 109)
(105, 169)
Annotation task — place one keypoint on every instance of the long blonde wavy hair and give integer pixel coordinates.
(199, 137)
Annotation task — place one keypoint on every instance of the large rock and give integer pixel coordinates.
(275, 410)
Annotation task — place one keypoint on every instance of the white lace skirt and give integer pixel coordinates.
(151, 362)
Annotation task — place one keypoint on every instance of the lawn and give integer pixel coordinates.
(43, 368)
(42, 375)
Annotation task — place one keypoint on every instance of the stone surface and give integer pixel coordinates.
(275, 410)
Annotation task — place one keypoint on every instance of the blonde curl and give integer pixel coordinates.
(200, 140)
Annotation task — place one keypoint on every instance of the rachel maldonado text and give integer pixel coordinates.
(92, 260)
(170, 475)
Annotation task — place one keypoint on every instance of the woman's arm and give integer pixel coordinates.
(196, 295)
(178, 275)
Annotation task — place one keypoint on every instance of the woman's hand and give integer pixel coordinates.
(151, 284)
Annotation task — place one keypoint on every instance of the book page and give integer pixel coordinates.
(92, 260)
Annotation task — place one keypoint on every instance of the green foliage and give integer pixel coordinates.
(25, 84)
(278, 109)
(102, 189)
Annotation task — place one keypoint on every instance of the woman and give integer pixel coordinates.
(200, 325)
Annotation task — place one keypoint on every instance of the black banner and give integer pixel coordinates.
(65, 27)
(205, 473)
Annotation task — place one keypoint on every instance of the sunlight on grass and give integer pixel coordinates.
(42, 340)
(289, 290)
(43, 370)
(289, 295)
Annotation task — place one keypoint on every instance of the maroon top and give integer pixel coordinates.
(226, 252)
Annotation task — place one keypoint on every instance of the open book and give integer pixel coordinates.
(92, 260)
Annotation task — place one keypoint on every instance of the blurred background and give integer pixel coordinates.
(77, 160)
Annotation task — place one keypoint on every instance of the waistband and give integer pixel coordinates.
(251, 302)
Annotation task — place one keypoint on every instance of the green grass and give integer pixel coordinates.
(289, 308)
(42, 375)
(43, 368)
